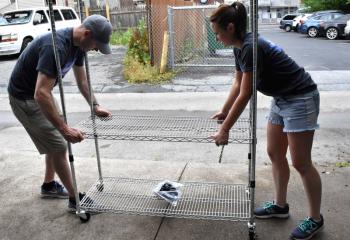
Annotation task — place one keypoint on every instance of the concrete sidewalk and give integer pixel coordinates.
(24, 215)
(189, 101)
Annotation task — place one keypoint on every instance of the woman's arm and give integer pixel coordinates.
(234, 92)
(221, 137)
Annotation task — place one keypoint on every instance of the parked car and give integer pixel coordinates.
(334, 28)
(312, 24)
(25, 24)
(298, 19)
(315, 14)
(3, 21)
(286, 22)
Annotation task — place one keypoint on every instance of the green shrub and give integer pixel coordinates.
(137, 63)
(121, 37)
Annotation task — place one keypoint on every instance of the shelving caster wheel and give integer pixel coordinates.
(252, 232)
(100, 187)
(84, 217)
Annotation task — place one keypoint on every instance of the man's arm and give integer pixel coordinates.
(47, 105)
(80, 76)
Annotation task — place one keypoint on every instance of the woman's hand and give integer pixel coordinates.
(221, 137)
(220, 116)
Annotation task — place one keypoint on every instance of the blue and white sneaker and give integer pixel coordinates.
(307, 229)
(53, 190)
(271, 210)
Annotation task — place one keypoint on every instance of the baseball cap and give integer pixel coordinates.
(101, 30)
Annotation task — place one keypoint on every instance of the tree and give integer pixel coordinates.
(318, 5)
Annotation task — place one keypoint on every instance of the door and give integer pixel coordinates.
(40, 23)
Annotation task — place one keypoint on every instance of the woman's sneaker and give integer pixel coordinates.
(270, 210)
(53, 190)
(307, 229)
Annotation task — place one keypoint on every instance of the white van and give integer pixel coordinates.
(25, 24)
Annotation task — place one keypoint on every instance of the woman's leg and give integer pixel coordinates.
(277, 144)
(300, 145)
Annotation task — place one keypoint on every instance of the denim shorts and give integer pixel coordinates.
(297, 113)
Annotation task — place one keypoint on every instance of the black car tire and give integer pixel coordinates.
(288, 28)
(25, 43)
(332, 33)
(312, 32)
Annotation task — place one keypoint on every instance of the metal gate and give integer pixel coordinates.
(192, 43)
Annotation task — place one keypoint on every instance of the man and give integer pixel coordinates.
(30, 94)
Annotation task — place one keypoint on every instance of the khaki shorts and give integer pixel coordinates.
(45, 136)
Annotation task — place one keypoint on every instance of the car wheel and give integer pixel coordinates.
(25, 43)
(332, 33)
(312, 32)
(288, 28)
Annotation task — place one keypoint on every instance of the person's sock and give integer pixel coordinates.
(48, 186)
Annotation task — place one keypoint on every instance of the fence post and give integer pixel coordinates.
(163, 60)
(86, 11)
(108, 14)
(171, 36)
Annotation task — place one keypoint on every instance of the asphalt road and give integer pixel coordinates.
(317, 55)
(314, 54)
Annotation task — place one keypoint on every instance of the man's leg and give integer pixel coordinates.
(59, 162)
(49, 169)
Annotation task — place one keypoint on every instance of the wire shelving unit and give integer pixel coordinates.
(214, 201)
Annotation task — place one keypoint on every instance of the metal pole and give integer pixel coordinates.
(254, 18)
(60, 84)
(171, 36)
(93, 117)
(150, 29)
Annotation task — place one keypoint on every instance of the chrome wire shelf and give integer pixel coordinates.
(161, 128)
(199, 200)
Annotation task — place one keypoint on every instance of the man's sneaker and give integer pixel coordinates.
(307, 229)
(270, 210)
(72, 203)
(53, 190)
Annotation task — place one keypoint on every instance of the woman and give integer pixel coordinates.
(292, 119)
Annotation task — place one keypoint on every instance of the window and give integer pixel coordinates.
(56, 14)
(336, 15)
(68, 14)
(18, 17)
(326, 17)
(289, 17)
(39, 18)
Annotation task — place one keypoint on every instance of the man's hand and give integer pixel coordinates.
(221, 137)
(72, 135)
(101, 112)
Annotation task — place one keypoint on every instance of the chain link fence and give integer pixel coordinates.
(193, 48)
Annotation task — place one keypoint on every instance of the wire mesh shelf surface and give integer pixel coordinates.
(198, 200)
(162, 128)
